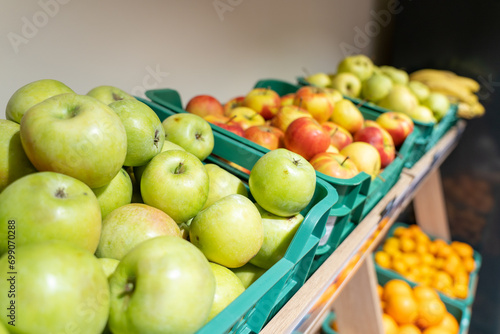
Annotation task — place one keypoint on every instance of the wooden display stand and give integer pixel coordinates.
(355, 297)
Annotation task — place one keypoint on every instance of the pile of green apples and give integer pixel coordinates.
(386, 86)
(112, 221)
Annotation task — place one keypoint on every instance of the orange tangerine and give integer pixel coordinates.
(452, 264)
(406, 245)
(461, 291)
(409, 329)
(430, 312)
(396, 287)
(400, 266)
(449, 322)
(380, 291)
(421, 248)
(391, 241)
(469, 263)
(445, 250)
(427, 259)
(383, 259)
(422, 292)
(462, 249)
(411, 259)
(390, 326)
(402, 308)
(399, 231)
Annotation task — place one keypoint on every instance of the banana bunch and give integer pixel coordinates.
(458, 89)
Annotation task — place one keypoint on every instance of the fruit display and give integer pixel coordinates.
(94, 256)
(447, 267)
(313, 122)
(410, 310)
(425, 95)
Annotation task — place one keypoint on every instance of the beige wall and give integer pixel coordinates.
(189, 44)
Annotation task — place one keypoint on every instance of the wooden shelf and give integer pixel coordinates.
(306, 310)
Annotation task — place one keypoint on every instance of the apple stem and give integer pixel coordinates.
(334, 132)
(129, 288)
(117, 97)
(197, 136)
(296, 162)
(232, 117)
(61, 193)
(342, 164)
(180, 168)
(300, 102)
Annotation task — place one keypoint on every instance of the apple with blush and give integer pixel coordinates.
(305, 136)
(246, 117)
(233, 103)
(347, 115)
(339, 137)
(265, 101)
(397, 124)
(381, 140)
(265, 135)
(334, 165)
(364, 156)
(288, 114)
(287, 99)
(203, 105)
(315, 101)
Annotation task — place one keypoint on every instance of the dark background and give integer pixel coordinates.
(464, 37)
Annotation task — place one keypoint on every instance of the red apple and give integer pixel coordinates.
(398, 125)
(203, 105)
(287, 99)
(381, 140)
(264, 135)
(288, 114)
(232, 127)
(233, 103)
(216, 118)
(339, 137)
(318, 103)
(335, 165)
(306, 137)
(265, 101)
(364, 156)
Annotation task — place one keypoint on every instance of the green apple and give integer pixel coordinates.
(400, 98)
(30, 94)
(75, 135)
(108, 265)
(282, 182)
(248, 273)
(177, 183)
(376, 87)
(227, 288)
(359, 65)
(347, 83)
(364, 156)
(13, 161)
(164, 285)
(397, 75)
(191, 132)
(222, 183)
(145, 133)
(278, 234)
(109, 94)
(55, 288)
(438, 103)
(319, 80)
(421, 114)
(419, 89)
(3, 329)
(167, 146)
(49, 206)
(115, 194)
(229, 232)
(129, 225)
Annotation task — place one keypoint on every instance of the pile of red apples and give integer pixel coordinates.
(317, 123)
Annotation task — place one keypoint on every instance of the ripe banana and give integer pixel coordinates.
(433, 74)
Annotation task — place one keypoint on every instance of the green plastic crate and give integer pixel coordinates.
(460, 312)
(467, 302)
(265, 297)
(429, 134)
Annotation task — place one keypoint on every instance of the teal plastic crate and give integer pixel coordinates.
(467, 302)
(460, 311)
(429, 133)
(265, 297)
(326, 326)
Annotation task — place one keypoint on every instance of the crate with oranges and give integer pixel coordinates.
(450, 268)
(412, 310)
